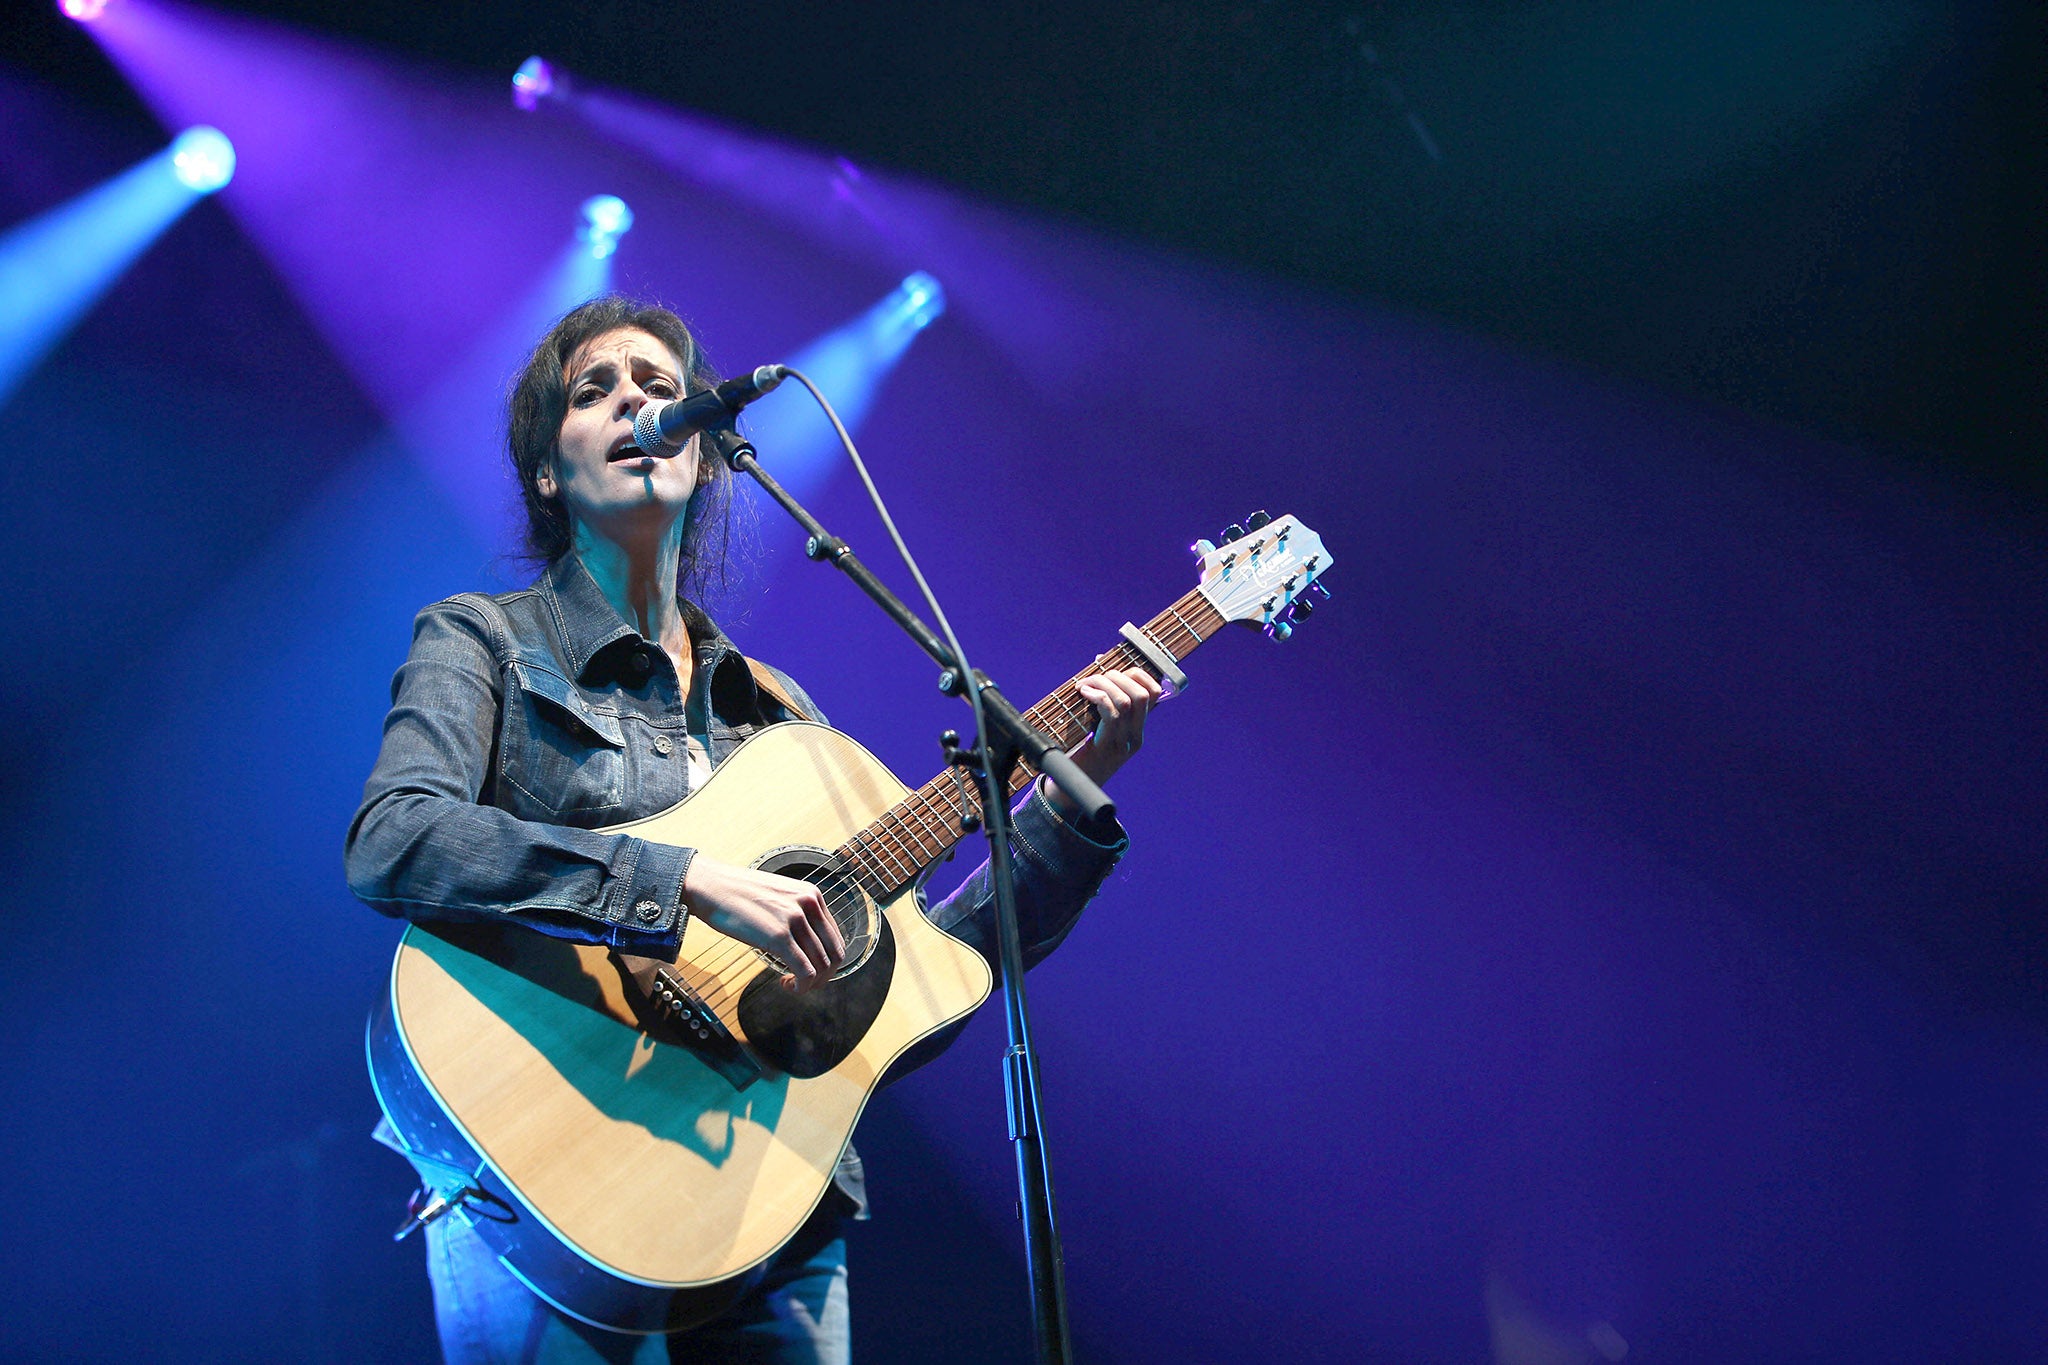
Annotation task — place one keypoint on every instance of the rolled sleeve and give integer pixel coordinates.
(1060, 866)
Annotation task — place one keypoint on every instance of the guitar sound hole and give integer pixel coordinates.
(851, 909)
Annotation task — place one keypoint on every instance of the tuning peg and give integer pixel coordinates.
(1257, 520)
(1203, 548)
(1279, 629)
(1302, 609)
(1232, 532)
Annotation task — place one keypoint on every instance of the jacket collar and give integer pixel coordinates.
(585, 620)
(592, 631)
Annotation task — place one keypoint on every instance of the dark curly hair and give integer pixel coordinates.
(540, 401)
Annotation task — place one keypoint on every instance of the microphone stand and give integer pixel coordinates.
(1007, 739)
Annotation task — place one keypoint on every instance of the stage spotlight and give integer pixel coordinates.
(54, 267)
(533, 82)
(923, 299)
(605, 219)
(849, 363)
(84, 11)
(203, 158)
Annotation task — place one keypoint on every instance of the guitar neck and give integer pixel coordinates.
(919, 830)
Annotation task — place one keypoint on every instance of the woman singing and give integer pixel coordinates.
(523, 724)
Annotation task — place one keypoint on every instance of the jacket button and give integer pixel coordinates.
(648, 910)
(663, 745)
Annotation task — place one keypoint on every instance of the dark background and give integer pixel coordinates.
(1824, 213)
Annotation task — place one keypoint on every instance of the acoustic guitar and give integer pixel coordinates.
(636, 1156)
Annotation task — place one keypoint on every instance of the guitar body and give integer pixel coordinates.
(641, 1172)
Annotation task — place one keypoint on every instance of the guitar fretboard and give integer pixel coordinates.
(919, 830)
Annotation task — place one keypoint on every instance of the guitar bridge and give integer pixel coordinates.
(688, 1020)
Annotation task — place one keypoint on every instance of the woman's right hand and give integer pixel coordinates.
(779, 915)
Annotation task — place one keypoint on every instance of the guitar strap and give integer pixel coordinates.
(765, 679)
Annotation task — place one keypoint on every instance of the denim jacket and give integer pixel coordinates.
(504, 751)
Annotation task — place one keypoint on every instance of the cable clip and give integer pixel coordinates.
(959, 759)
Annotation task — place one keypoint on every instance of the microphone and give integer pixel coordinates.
(662, 428)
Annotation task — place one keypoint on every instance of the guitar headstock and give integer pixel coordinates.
(1261, 575)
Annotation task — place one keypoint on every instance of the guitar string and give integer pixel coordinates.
(848, 912)
(915, 816)
(878, 849)
(918, 818)
(722, 988)
(902, 812)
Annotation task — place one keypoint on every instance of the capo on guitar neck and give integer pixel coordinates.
(1162, 660)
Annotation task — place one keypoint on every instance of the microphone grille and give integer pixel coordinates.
(647, 428)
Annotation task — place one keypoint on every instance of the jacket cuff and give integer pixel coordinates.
(647, 908)
(1060, 843)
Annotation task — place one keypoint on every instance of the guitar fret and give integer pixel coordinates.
(868, 871)
(857, 861)
(889, 853)
(942, 808)
(875, 853)
(905, 835)
(949, 798)
(892, 832)
(1194, 635)
(925, 826)
(919, 830)
(943, 799)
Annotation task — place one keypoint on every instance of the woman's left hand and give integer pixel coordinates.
(1122, 700)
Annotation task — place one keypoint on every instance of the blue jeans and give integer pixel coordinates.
(798, 1315)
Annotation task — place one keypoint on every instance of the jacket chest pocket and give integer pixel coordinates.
(565, 759)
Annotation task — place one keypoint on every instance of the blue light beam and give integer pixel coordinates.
(457, 431)
(54, 267)
(849, 364)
